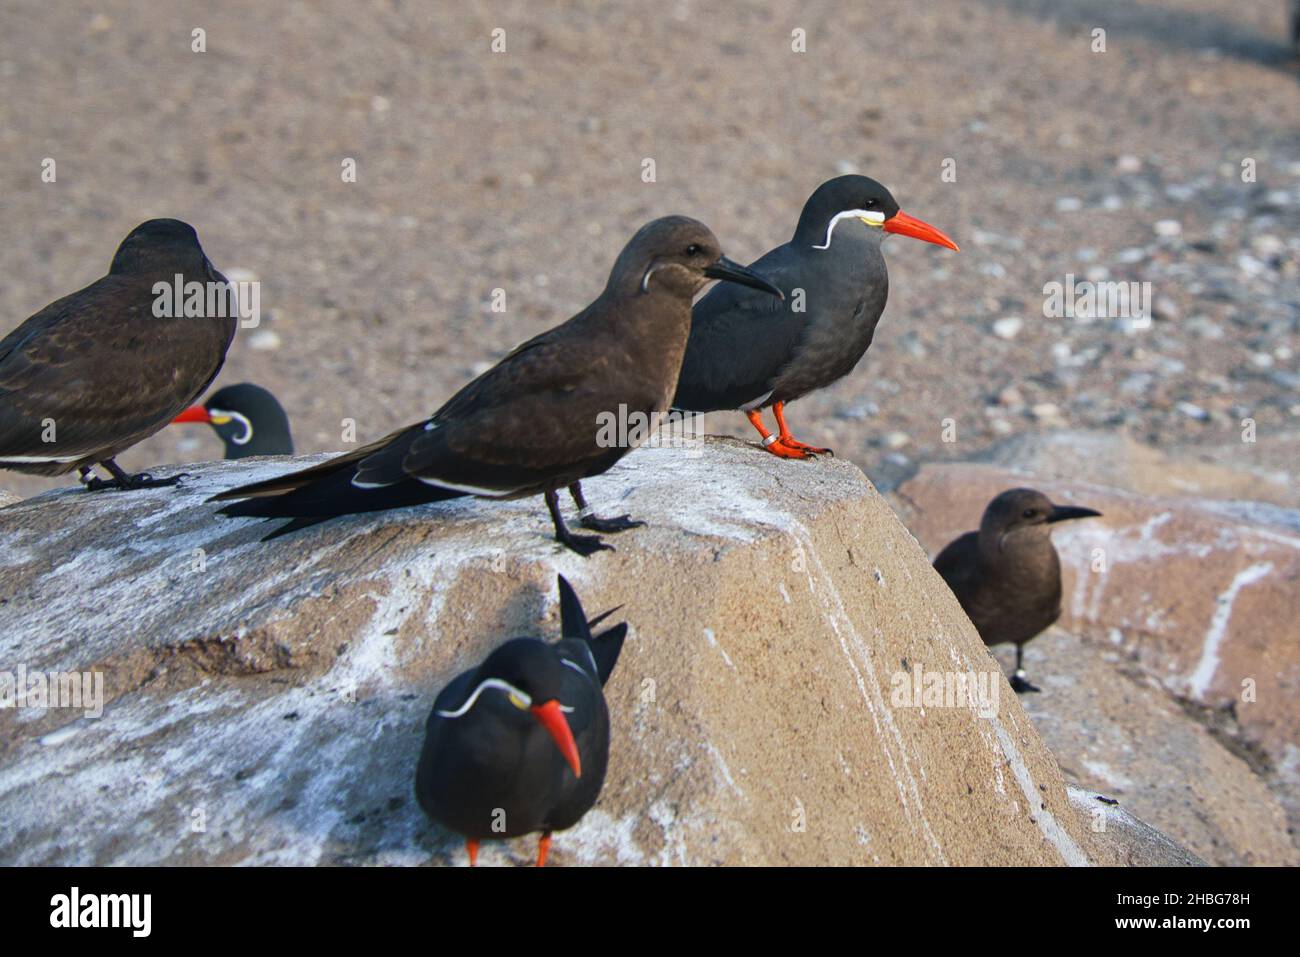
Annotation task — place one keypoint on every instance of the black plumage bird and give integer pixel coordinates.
(520, 744)
(1007, 575)
(749, 352)
(248, 419)
(532, 424)
(99, 370)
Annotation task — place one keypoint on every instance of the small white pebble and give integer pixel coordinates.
(1008, 327)
(264, 340)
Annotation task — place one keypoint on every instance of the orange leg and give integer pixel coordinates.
(788, 440)
(543, 849)
(772, 442)
(472, 847)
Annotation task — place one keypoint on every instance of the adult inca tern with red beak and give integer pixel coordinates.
(520, 743)
(749, 352)
(248, 419)
(531, 425)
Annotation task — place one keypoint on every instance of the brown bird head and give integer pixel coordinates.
(677, 255)
(863, 206)
(162, 248)
(1025, 510)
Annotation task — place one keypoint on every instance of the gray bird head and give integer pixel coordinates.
(861, 208)
(1020, 510)
(162, 247)
(677, 255)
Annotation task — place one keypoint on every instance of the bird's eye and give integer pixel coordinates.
(1029, 513)
(872, 204)
(693, 249)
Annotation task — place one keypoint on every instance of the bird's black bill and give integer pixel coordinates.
(728, 271)
(1063, 513)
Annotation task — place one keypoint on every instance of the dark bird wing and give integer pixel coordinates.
(306, 477)
(958, 565)
(741, 338)
(529, 418)
(605, 647)
(104, 369)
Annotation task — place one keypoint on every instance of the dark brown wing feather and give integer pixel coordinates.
(958, 565)
(305, 477)
(530, 423)
(104, 369)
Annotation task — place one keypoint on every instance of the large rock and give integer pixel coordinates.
(1114, 730)
(1133, 841)
(1252, 471)
(266, 700)
(1197, 597)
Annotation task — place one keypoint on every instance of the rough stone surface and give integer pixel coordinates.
(1114, 729)
(1135, 842)
(276, 692)
(1200, 598)
(1237, 470)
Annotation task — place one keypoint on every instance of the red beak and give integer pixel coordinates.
(195, 413)
(906, 225)
(550, 717)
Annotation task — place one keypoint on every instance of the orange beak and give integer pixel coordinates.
(195, 413)
(550, 717)
(906, 225)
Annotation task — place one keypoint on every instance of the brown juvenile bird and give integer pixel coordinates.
(1007, 575)
(97, 371)
(532, 424)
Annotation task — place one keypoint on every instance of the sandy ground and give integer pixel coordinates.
(522, 170)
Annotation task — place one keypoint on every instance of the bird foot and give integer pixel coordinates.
(584, 545)
(471, 848)
(619, 524)
(783, 451)
(790, 442)
(127, 482)
(543, 849)
(1021, 685)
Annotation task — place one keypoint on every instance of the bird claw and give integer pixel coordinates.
(620, 523)
(790, 442)
(1021, 685)
(145, 480)
(783, 451)
(584, 545)
(130, 482)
